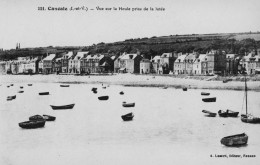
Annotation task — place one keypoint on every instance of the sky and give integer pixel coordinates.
(22, 22)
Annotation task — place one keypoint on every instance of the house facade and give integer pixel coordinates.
(167, 62)
(200, 65)
(179, 64)
(130, 63)
(65, 62)
(188, 63)
(155, 62)
(48, 64)
(74, 63)
(145, 66)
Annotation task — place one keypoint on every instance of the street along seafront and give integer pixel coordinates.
(168, 126)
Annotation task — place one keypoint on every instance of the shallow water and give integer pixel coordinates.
(168, 126)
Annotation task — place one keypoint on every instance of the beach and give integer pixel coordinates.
(207, 82)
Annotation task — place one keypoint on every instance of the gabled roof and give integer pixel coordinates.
(181, 58)
(191, 57)
(80, 55)
(201, 58)
(67, 55)
(166, 55)
(156, 58)
(49, 58)
(129, 56)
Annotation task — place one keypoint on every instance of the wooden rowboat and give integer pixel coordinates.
(36, 117)
(235, 140)
(121, 93)
(209, 114)
(128, 104)
(222, 113)
(205, 93)
(49, 118)
(232, 113)
(11, 97)
(69, 106)
(44, 93)
(211, 99)
(64, 85)
(128, 117)
(184, 89)
(29, 84)
(20, 91)
(103, 97)
(32, 124)
(21, 87)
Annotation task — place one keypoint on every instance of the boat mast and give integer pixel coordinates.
(246, 93)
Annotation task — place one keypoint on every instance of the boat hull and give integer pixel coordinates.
(32, 124)
(213, 99)
(205, 93)
(103, 97)
(250, 119)
(235, 140)
(222, 113)
(44, 93)
(128, 105)
(128, 117)
(49, 118)
(69, 106)
(64, 85)
(209, 114)
(36, 117)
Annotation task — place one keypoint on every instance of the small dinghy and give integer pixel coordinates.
(69, 106)
(184, 89)
(32, 124)
(209, 114)
(29, 84)
(104, 87)
(44, 93)
(49, 118)
(64, 85)
(234, 140)
(36, 117)
(95, 92)
(211, 99)
(11, 84)
(94, 89)
(128, 104)
(128, 117)
(222, 113)
(121, 93)
(232, 113)
(11, 97)
(7, 86)
(205, 93)
(20, 91)
(21, 87)
(103, 97)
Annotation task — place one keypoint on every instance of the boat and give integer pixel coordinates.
(29, 84)
(44, 93)
(36, 117)
(104, 87)
(69, 106)
(128, 104)
(21, 87)
(210, 99)
(8, 86)
(232, 113)
(164, 87)
(121, 93)
(103, 97)
(49, 118)
(94, 89)
(11, 97)
(64, 85)
(95, 92)
(248, 118)
(222, 113)
(209, 114)
(235, 140)
(184, 89)
(205, 93)
(20, 91)
(32, 124)
(128, 117)
(11, 84)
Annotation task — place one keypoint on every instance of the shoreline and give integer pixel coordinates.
(133, 81)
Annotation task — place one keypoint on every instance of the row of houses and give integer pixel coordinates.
(213, 62)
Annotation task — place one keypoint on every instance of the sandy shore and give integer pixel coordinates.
(132, 80)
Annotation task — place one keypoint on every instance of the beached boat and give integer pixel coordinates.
(128, 104)
(248, 118)
(222, 113)
(44, 93)
(29, 84)
(20, 91)
(104, 87)
(11, 97)
(94, 89)
(49, 118)
(103, 97)
(121, 93)
(7, 86)
(210, 99)
(128, 117)
(64, 85)
(235, 140)
(184, 89)
(95, 92)
(36, 117)
(205, 93)
(21, 87)
(209, 114)
(32, 124)
(232, 113)
(11, 84)
(69, 106)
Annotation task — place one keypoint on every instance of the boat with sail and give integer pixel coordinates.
(248, 118)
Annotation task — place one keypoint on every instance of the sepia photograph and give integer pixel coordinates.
(120, 82)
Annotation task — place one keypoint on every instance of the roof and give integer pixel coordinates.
(191, 57)
(80, 55)
(58, 59)
(166, 55)
(181, 58)
(128, 56)
(68, 55)
(50, 57)
(94, 57)
(156, 58)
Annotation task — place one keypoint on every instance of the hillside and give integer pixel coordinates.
(238, 43)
